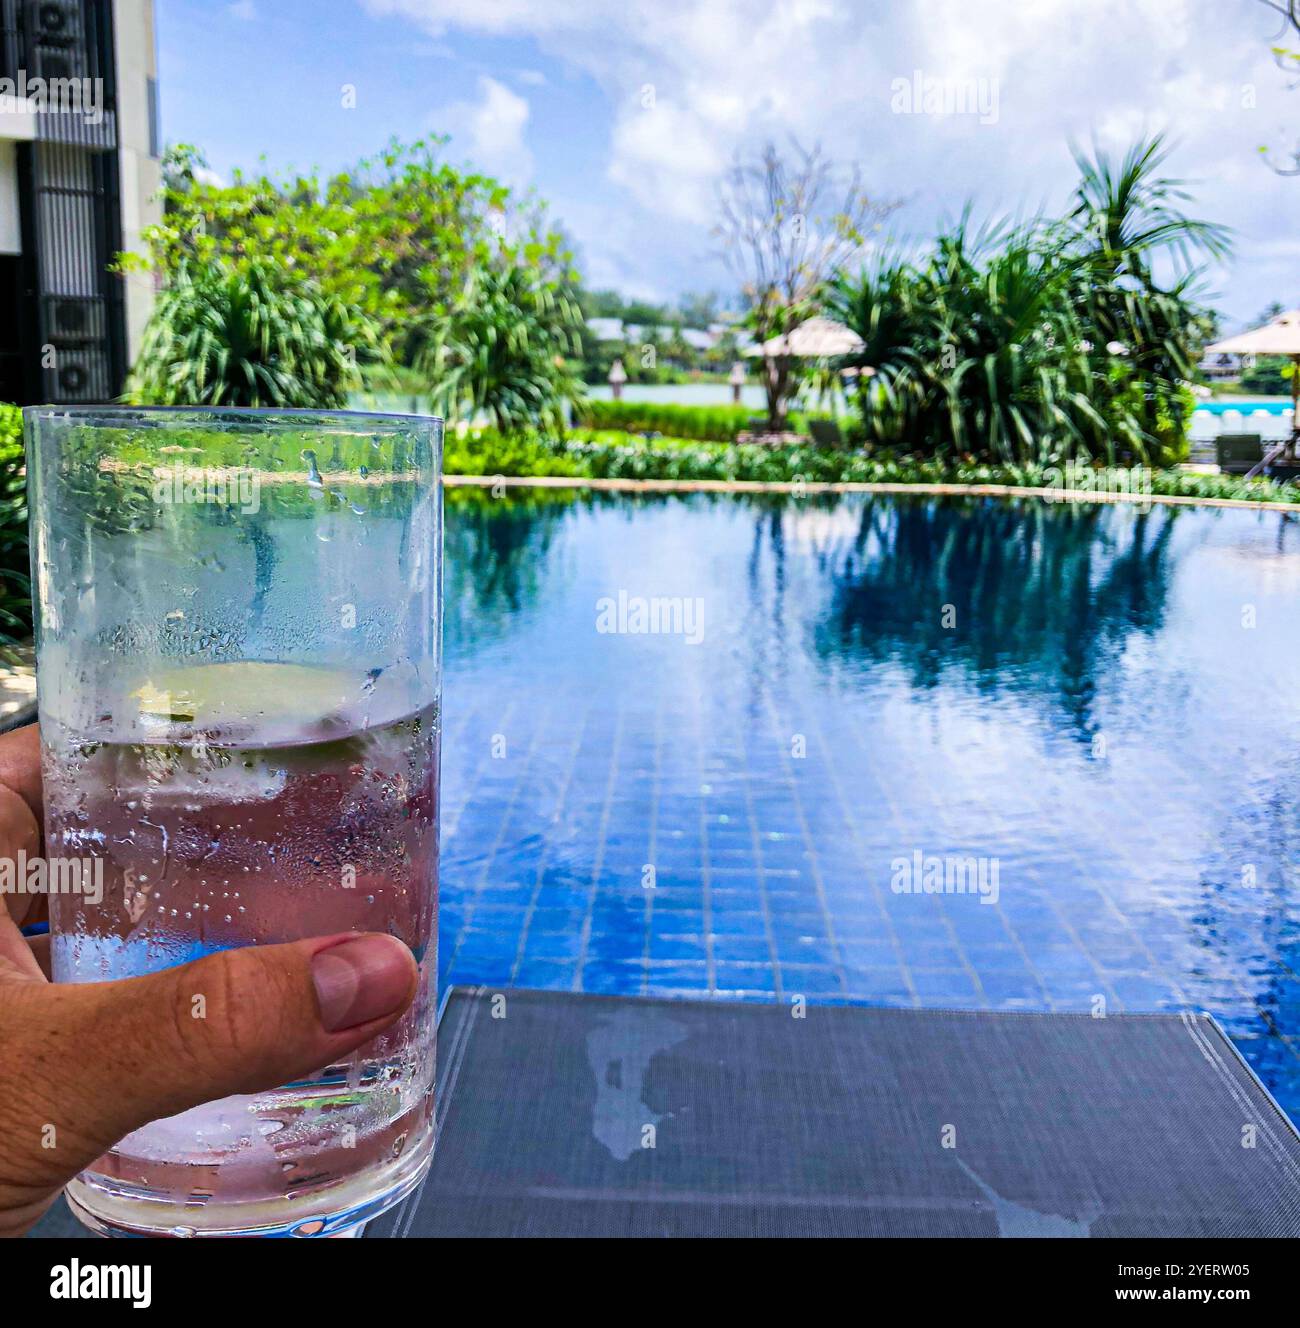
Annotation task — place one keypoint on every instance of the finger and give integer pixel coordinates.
(20, 766)
(110, 1057)
(40, 951)
(20, 833)
(18, 960)
(19, 909)
(20, 813)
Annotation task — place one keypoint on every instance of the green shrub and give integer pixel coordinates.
(15, 585)
(499, 352)
(604, 455)
(714, 424)
(222, 336)
(1269, 376)
(493, 453)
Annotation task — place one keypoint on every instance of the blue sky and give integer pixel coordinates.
(623, 115)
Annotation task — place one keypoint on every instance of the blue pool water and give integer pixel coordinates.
(1097, 706)
(1245, 406)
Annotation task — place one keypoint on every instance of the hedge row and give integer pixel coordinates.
(620, 456)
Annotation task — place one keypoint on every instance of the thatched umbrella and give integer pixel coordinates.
(816, 339)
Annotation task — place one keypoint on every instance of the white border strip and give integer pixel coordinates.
(1055, 497)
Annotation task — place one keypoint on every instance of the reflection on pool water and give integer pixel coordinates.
(1086, 716)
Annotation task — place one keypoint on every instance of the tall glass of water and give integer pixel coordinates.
(239, 667)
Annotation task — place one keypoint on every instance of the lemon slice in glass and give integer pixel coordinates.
(210, 695)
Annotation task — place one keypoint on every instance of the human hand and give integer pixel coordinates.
(84, 1064)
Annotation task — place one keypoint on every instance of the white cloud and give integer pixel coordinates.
(245, 10)
(729, 73)
(491, 131)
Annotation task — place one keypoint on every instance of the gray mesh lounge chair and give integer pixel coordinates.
(565, 1114)
(826, 433)
(570, 1115)
(1237, 453)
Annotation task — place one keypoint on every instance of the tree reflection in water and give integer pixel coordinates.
(496, 559)
(1018, 594)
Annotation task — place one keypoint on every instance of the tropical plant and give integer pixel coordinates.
(1041, 340)
(403, 241)
(501, 351)
(249, 336)
(1126, 214)
(975, 353)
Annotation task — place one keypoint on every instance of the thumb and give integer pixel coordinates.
(106, 1058)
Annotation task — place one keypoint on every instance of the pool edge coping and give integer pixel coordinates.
(1051, 496)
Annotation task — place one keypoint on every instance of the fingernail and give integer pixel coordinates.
(360, 980)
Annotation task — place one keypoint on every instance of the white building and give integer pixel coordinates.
(606, 329)
(79, 180)
(1224, 368)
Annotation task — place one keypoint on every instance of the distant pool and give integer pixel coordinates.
(1267, 416)
(1063, 701)
(1245, 406)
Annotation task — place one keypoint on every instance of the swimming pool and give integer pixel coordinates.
(1270, 417)
(901, 751)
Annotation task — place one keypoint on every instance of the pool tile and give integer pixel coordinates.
(945, 987)
(809, 981)
(676, 948)
(745, 977)
(546, 974)
(1119, 877)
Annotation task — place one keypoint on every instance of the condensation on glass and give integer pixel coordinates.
(239, 659)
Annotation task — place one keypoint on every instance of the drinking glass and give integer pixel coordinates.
(238, 630)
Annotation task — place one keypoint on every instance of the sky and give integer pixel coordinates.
(624, 114)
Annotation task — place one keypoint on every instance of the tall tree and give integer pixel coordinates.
(1288, 60)
(786, 225)
(399, 236)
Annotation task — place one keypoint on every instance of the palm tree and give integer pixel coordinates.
(502, 351)
(248, 337)
(1126, 213)
(1044, 340)
(1125, 216)
(975, 352)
